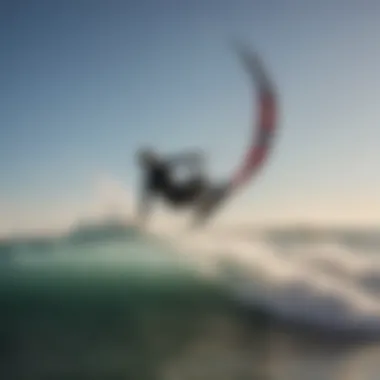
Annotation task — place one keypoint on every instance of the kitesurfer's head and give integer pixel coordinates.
(147, 157)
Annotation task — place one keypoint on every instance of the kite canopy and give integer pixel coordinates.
(265, 128)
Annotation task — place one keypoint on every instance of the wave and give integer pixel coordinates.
(314, 279)
(326, 285)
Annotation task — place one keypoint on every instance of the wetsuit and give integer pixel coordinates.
(159, 181)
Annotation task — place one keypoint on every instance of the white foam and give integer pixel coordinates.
(323, 284)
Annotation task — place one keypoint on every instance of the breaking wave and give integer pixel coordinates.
(321, 281)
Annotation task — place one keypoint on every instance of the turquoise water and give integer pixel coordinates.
(131, 308)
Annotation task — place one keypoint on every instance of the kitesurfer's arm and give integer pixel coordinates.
(192, 159)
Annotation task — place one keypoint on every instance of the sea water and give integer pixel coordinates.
(206, 305)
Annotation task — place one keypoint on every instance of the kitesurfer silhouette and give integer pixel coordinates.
(158, 181)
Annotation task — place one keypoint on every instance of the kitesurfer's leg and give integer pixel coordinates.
(185, 193)
(209, 202)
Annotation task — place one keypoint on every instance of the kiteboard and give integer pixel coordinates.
(263, 132)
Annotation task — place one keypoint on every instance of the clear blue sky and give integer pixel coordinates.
(84, 83)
